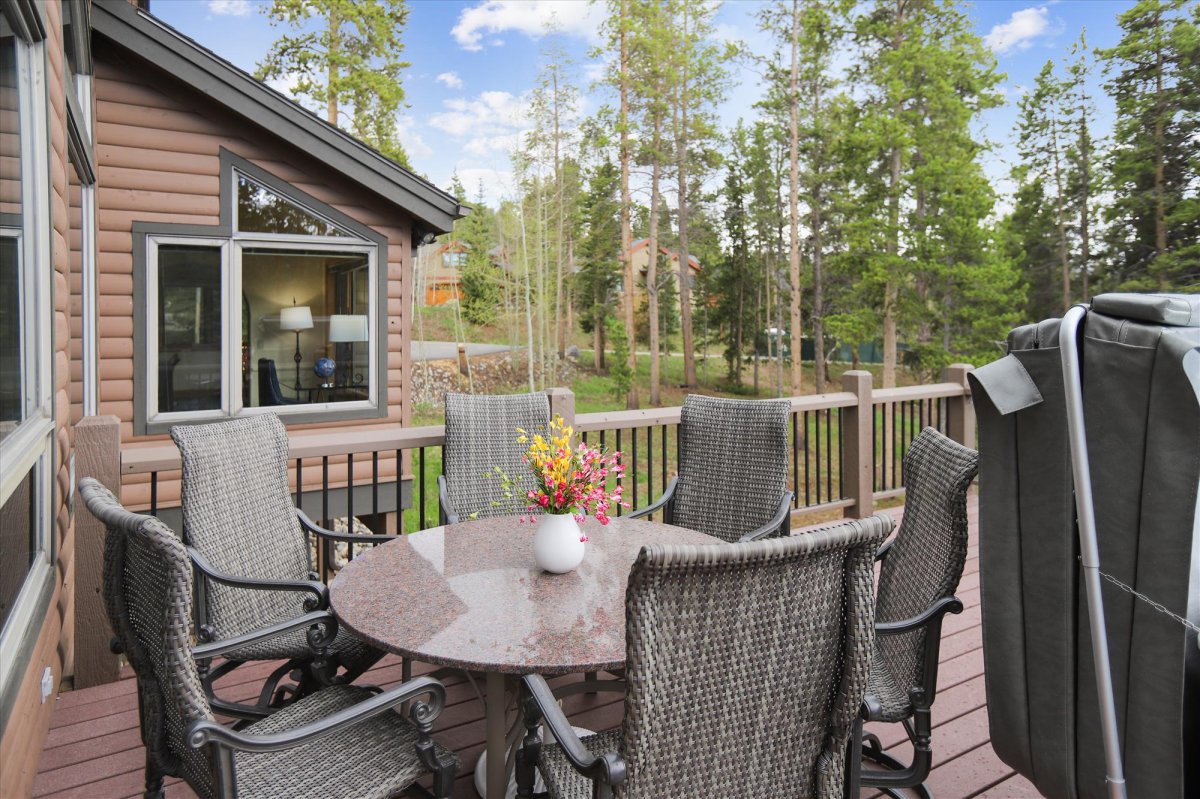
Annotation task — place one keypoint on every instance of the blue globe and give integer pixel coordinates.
(324, 368)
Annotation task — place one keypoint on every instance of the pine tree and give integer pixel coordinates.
(351, 65)
(1042, 143)
(1081, 158)
(1154, 215)
(599, 275)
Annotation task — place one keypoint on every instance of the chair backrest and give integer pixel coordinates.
(733, 463)
(269, 392)
(148, 597)
(746, 665)
(481, 433)
(239, 514)
(926, 561)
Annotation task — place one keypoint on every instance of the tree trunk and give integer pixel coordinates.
(794, 202)
(652, 274)
(1160, 214)
(631, 401)
(1084, 213)
(559, 327)
(331, 103)
(1060, 216)
(685, 272)
(891, 289)
(818, 310)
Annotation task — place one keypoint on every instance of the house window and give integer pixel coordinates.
(26, 379)
(280, 310)
(455, 260)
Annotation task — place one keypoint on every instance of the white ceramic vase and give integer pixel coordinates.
(556, 544)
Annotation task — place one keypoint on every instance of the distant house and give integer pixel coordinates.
(639, 253)
(439, 270)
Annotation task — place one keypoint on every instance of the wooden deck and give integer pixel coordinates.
(94, 749)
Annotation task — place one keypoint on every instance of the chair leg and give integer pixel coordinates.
(851, 783)
(154, 782)
(896, 774)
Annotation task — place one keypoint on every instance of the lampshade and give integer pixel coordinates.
(348, 327)
(295, 317)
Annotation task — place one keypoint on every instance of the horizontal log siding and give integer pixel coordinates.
(26, 728)
(157, 155)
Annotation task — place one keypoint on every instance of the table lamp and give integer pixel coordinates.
(296, 317)
(347, 329)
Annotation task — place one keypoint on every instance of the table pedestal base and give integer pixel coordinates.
(539, 786)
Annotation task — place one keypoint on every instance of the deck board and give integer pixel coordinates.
(94, 748)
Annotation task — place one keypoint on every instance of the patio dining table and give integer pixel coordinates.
(469, 596)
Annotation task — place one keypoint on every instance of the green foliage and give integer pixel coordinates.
(619, 371)
(1154, 215)
(599, 276)
(480, 277)
(351, 66)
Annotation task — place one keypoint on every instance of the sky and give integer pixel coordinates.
(475, 62)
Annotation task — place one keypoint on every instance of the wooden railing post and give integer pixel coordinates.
(98, 455)
(562, 403)
(962, 411)
(858, 441)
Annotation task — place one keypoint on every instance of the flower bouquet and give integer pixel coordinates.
(570, 482)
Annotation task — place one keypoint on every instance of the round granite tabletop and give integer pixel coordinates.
(469, 595)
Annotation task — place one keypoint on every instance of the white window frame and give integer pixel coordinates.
(30, 446)
(232, 248)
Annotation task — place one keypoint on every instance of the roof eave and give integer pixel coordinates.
(206, 72)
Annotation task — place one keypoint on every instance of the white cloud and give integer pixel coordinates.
(1019, 32)
(450, 79)
(493, 112)
(484, 146)
(534, 18)
(414, 145)
(229, 8)
(496, 183)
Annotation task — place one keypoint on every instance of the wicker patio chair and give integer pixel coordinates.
(733, 459)
(148, 597)
(704, 718)
(919, 573)
(251, 546)
(481, 434)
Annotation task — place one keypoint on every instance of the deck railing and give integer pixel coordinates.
(841, 458)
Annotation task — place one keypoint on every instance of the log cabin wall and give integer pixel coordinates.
(26, 728)
(158, 145)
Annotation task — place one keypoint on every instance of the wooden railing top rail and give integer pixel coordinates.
(162, 456)
(931, 391)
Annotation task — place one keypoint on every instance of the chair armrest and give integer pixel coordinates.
(667, 495)
(351, 538)
(446, 512)
(884, 549)
(781, 518)
(608, 767)
(318, 601)
(317, 619)
(947, 604)
(423, 714)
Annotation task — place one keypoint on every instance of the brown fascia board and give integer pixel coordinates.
(208, 73)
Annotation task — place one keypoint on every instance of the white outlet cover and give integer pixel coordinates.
(47, 684)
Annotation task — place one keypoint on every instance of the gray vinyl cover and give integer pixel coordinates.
(1141, 389)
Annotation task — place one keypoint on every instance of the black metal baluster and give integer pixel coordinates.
(817, 436)
(299, 482)
(893, 485)
(664, 458)
(650, 464)
(325, 522)
(807, 495)
(349, 503)
(375, 483)
(628, 473)
(828, 454)
(841, 454)
(399, 492)
(633, 432)
(795, 459)
(153, 493)
(421, 488)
